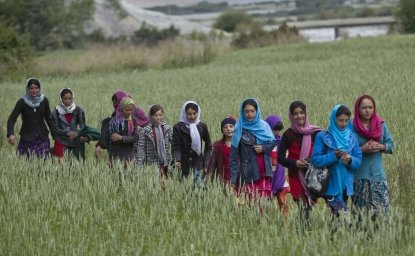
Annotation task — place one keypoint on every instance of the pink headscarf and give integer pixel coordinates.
(138, 113)
(375, 125)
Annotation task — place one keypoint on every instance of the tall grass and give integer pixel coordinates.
(73, 208)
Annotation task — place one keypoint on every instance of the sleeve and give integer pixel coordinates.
(17, 110)
(387, 140)
(268, 147)
(213, 160)
(233, 165)
(81, 119)
(169, 135)
(282, 151)
(356, 155)
(48, 117)
(208, 145)
(141, 148)
(133, 137)
(321, 157)
(175, 144)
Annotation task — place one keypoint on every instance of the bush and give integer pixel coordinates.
(257, 37)
(151, 36)
(406, 15)
(15, 51)
(230, 20)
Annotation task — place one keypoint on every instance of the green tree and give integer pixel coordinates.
(49, 24)
(406, 15)
(230, 20)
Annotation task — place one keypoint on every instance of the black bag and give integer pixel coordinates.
(317, 179)
(104, 139)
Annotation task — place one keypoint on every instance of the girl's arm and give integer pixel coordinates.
(131, 138)
(81, 119)
(282, 151)
(322, 157)
(141, 148)
(356, 155)
(17, 110)
(213, 161)
(234, 165)
(387, 140)
(208, 145)
(48, 116)
(175, 145)
(268, 147)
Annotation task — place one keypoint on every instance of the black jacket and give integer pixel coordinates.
(33, 122)
(181, 147)
(62, 127)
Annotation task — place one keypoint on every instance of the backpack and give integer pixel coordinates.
(104, 139)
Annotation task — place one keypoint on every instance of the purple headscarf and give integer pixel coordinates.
(138, 113)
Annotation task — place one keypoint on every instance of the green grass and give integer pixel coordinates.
(80, 209)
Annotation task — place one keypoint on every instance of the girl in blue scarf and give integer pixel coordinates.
(250, 163)
(338, 150)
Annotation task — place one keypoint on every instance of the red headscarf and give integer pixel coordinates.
(375, 125)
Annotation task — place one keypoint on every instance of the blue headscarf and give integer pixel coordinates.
(341, 137)
(257, 127)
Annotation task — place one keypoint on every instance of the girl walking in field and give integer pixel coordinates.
(154, 143)
(250, 162)
(123, 132)
(138, 114)
(67, 120)
(279, 184)
(35, 111)
(219, 160)
(338, 150)
(298, 141)
(188, 135)
(371, 187)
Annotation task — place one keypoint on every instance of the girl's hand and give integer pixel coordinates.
(258, 148)
(97, 151)
(72, 135)
(178, 165)
(339, 153)
(12, 139)
(346, 159)
(302, 164)
(376, 146)
(116, 137)
(83, 139)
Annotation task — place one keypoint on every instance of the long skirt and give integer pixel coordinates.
(38, 147)
(372, 196)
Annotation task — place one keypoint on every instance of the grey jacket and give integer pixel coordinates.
(61, 126)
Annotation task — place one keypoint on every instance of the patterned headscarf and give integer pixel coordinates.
(31, 101)
(138, 113)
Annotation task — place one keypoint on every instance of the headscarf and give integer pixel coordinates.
(258, 127)
(118, 121)
(159, 139)
(273, 120)
(31, 101)
(194, 133)
(228, 120)
(375, 124)
(61, 108)
(306, 131)
(341, 137)
(139, 114)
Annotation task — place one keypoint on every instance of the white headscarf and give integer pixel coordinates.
(61, 108)
(194, 133)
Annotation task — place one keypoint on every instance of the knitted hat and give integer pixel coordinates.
(228, 120)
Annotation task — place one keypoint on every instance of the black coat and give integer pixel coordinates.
(62, 127)
(33, 122)
(182, 151)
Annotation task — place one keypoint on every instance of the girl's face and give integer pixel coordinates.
(249, 113)
(342, 121)
(299, 116)
(366, 109)
(127, 111)
(191, 115)
(276, 132)
(227, 130)
(34, 90)
(158, 117)
(67, 99)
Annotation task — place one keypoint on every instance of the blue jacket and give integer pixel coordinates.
(372, 165)
(243, 163)
(341, 175)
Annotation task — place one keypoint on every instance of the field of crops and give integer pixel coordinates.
(78, 209)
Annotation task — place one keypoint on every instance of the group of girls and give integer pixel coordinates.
(251, 156)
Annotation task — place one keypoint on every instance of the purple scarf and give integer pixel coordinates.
(139, 114)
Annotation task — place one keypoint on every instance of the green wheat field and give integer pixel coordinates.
(73, 208)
